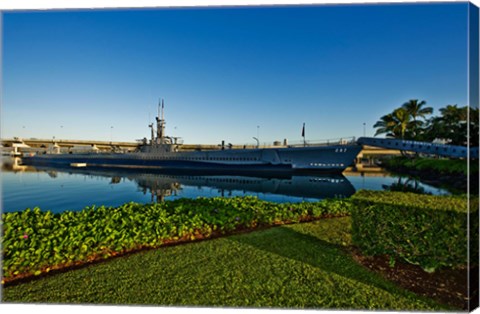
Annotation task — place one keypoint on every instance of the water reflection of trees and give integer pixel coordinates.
(406, 185)
(115, 180)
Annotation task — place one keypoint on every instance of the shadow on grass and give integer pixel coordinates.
(287, 242)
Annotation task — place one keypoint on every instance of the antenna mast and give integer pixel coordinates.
(160, 124)
(162, 111)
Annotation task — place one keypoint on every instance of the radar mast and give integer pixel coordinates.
(160, 124)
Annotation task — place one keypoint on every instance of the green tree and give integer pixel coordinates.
(385, 125)
(474, 126)
(451, 125)
(395, 124)
(410, 122)
(404, 123)
(417, 111)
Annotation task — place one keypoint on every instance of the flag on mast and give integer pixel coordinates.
(303, 130)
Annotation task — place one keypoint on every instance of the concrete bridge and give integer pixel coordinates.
(45, 143)
(17, 146)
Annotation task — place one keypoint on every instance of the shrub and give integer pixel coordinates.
(35, 241)
(430, 231)
(442, 166)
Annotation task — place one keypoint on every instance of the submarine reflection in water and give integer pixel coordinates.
(165, 184)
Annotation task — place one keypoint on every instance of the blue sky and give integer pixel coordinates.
(98, 74)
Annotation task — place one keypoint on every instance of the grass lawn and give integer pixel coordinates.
(292, 266)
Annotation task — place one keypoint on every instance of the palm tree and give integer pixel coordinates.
(404, 122)
(453, 114)
(395, 124)
(417, 110)
(433, 128)
(452, 125)
(414, 107)
(410, 122)
(385, 125)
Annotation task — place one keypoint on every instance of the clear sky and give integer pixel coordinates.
(228, 73)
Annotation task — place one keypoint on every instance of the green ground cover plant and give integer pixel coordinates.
(289, 266)
(426, 230)
(36, 241)
(440, 166)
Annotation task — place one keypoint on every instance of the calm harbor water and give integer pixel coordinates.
(74, 189)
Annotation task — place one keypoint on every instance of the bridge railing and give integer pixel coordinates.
(454, 151)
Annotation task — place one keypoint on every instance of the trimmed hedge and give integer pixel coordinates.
(430, 231)
(35, 241)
